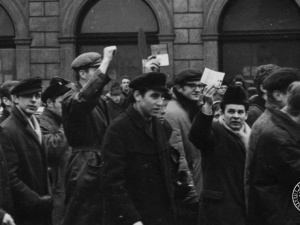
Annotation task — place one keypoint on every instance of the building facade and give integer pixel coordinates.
(42, 37)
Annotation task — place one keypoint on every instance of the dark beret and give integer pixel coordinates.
(58, 86)
(235, 95)
(280, 79)
(188, 75)
(27, 86)
(89, 59)
(115, 89)
(152, 80)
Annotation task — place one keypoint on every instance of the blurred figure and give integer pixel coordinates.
(257, 104)
(161, 114)
(125, 80)
(239, 81)
(275, 171)
(223, 145)
(114, 101)
(217, 110)
(276, 86)
(6, 98)
(26, 156)
(58, 149)
(219, 93)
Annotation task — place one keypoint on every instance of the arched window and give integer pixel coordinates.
(257, 32)
(7, 47)
(115, 22)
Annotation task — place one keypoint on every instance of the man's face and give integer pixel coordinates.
(125, 84)
(235, 116)
(191, 90)
(87, 74)
(116, 98)
(56, 105)
(29, 103)
(150, 104)
(161, 114)
(221, 91)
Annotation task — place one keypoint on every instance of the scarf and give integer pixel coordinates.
(243, 134)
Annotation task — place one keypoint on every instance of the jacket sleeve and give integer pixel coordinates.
(117, 197)
(201, 134)
(84, 101)
(29, 200)
(2, 213)
(56, 143)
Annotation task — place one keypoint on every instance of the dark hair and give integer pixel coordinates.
(85, 69)
(240, 78)
(293, 106)
(125, 77)
(262, 72)
(5, 90)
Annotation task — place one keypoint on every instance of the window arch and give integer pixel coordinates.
(114, 22)
(256, 32)
(7, 47)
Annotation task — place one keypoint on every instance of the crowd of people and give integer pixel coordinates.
(149, 152)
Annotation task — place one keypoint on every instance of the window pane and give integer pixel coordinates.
(6, 25)
(115, 16)
(242, 58)
(254, 15)
(7, 64)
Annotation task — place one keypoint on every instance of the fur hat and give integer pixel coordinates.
(58, 86)
(235, 95)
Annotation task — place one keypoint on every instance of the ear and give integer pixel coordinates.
(49, 103)
(179, 88)
(277, 95)
(82, 74)
(262, 89)
(15, 99)
(137, 96)
(6, 101)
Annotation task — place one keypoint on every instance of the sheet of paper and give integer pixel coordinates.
(161, 53)
(211, 77)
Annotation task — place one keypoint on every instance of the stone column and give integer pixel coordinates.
(211, 51)
(22, 57)
(67, 55)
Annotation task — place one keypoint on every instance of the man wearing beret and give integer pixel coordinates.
(114, 101)
(276, 85)
(223, 146)
(136, 154)
(26, 156)
(58, 149)
(180, 113)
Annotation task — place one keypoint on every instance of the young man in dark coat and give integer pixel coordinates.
(58, 149)
(25, 152)
(114, 101)
(6, 202)
(275, 171)
(137, 174)
(85, 120)
(223, 146)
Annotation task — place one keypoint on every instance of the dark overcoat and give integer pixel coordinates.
(27, 167)
(274, 173)
(85, 120)
(6, 202)
(222, 200)
(137, 174)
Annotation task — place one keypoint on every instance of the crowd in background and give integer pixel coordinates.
(150, 152)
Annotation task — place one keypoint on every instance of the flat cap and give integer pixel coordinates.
(27, 86)
(58, 86)
(152, 80)
(280, 79)
(89, 59)
(188, 75)
(115, 89)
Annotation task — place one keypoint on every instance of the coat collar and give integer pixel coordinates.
(53, 116)
(282, 120)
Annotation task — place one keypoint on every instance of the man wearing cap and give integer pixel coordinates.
(114, 101)
(85, 120)
(125, 80)
(136, 154)
(275, 171)
(180, 113)
(223, 146)
(55, 140)
(276, 85)
(257, 105)
(6, 98)
(221, 91)
(26, 156)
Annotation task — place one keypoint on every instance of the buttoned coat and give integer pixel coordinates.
(137, 173)
(222, 199)
(27, 166)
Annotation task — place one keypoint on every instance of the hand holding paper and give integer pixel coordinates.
(211, 77)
